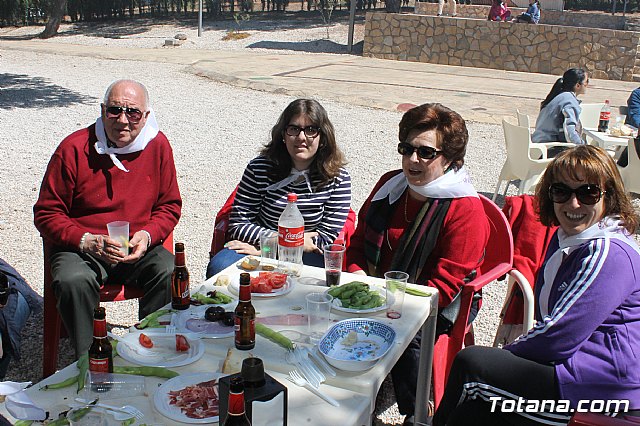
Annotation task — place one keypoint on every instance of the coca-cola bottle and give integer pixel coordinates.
(290, 237)
(605, 115)
(180, 293)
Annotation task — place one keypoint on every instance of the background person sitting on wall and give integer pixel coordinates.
(532, 15)
(441, 7)
(499, 11)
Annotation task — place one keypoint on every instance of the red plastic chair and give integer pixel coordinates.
(53, 323)
(222, 223)
(498, 261)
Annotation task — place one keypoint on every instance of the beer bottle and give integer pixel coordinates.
(245, 316)
(100, 351)
(236, 415)
(180, 294)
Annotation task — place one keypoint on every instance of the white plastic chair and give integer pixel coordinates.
(590, 115)
(523, 119)
(504, 337)
(519, 163)
(631, 173)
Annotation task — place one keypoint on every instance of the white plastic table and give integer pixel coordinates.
(356, 392)
(605, 140)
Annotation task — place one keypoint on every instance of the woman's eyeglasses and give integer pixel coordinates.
(134, 115)
(424, 152)
(309, 131)
(588, 194)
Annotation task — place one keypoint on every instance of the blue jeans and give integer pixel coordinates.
(21, 315)
(226, 257)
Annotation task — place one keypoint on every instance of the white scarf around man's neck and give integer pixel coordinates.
(146, 135)
(453, 184)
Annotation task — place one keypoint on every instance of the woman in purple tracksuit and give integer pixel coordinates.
(586, 342)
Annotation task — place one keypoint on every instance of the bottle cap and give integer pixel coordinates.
(245, 278)
(291, 197)
(236, 385)
(253, 372)
(179, 246)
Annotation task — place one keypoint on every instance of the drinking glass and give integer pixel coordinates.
(318, 311)
(396, 285)
(333, 256)
(119, 231)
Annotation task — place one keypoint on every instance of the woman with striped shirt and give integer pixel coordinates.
(302, 157)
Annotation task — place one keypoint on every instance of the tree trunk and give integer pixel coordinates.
(56, 12)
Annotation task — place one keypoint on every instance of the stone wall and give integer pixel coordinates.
(550, 17)
(607, 54)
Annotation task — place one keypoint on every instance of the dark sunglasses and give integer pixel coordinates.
(309, 131)
(424, 152)
(133, 114)
(587, 194)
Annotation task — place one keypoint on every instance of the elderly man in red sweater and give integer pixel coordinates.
(120, 168)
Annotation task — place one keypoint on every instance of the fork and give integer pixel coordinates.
(293, 357)
(303, 358)
(295, 377)
(171, 328)
(118, 412)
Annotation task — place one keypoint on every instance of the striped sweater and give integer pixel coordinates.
(254, 209)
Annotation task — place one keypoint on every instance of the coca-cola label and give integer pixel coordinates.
(605, 115)
(99, 365)
(291, 237)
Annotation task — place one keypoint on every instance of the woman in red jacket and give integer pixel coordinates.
(425, 219)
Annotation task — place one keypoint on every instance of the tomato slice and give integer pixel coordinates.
(263, 287)
(182, 344)
(277, 280)
(145, 341)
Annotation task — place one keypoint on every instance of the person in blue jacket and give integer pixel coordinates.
(585, 343)
(17, 302)
(532, 15)
(559, 117)
(632, 119)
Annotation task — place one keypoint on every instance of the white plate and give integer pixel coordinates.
(161, 397)
(163, 353)
(192, 321)
(337, 305)
(234, 287)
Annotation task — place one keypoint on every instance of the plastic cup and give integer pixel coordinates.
(119, 231)
(107, 386)
(319, 314)
(86, 416)
(396, 285)
(269, 249)
(333, 257)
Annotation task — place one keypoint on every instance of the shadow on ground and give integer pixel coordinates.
(312, 46)
(23, 91)
(262, 21)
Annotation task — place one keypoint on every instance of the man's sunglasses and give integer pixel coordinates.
(309, 131)
(424, 152)
(587, 194)
(134, 115)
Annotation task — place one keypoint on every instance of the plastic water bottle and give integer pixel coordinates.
(605, 114)
(290, 238)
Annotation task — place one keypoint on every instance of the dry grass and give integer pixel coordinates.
(235, 35)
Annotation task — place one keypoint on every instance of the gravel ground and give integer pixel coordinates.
(215, 130)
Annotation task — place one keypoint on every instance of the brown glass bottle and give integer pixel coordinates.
(180, 294)
(236, 415)
(245, 316)
(100, 351)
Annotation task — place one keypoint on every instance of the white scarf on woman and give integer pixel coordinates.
(453, 184)
(148, 132)
(293, 176)
(608, 227)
